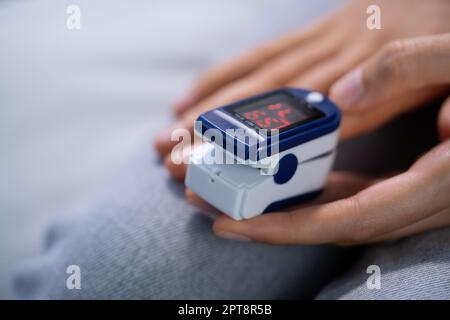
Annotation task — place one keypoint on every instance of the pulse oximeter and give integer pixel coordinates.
(277, 149)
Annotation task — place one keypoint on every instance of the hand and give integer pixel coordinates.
(376, 91)
(372, 210)
(408, 203)
(313, 58)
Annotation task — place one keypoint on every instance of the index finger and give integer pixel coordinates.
(244, 64)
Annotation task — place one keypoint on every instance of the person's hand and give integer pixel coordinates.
(313, 58)
(375, 91)
(408, 203)
(372, 210)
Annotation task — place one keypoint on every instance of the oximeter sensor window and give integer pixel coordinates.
(278, 110)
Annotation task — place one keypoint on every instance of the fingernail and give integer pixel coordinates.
(232, 236)
(185, 102)
(349, 90)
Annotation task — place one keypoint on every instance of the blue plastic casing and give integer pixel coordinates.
(222, 120)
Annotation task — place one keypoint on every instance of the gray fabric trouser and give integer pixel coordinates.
(413, 268)
(143, 240)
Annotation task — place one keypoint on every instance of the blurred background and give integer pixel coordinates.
(75, 104)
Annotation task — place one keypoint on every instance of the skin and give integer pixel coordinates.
(355, 209)
(373, 76)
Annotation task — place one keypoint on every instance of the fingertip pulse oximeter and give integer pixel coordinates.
(277, 149)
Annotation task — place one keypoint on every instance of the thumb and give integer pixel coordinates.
(399, 67)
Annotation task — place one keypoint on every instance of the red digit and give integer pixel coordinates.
(253, 115)
(284, 112)
(274, 106)
(248, 115)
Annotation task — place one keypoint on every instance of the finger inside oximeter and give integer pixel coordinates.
(283, 143)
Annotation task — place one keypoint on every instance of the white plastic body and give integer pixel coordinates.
(242, 191)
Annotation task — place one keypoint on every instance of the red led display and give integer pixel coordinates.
(274, 111)
(274, 116)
